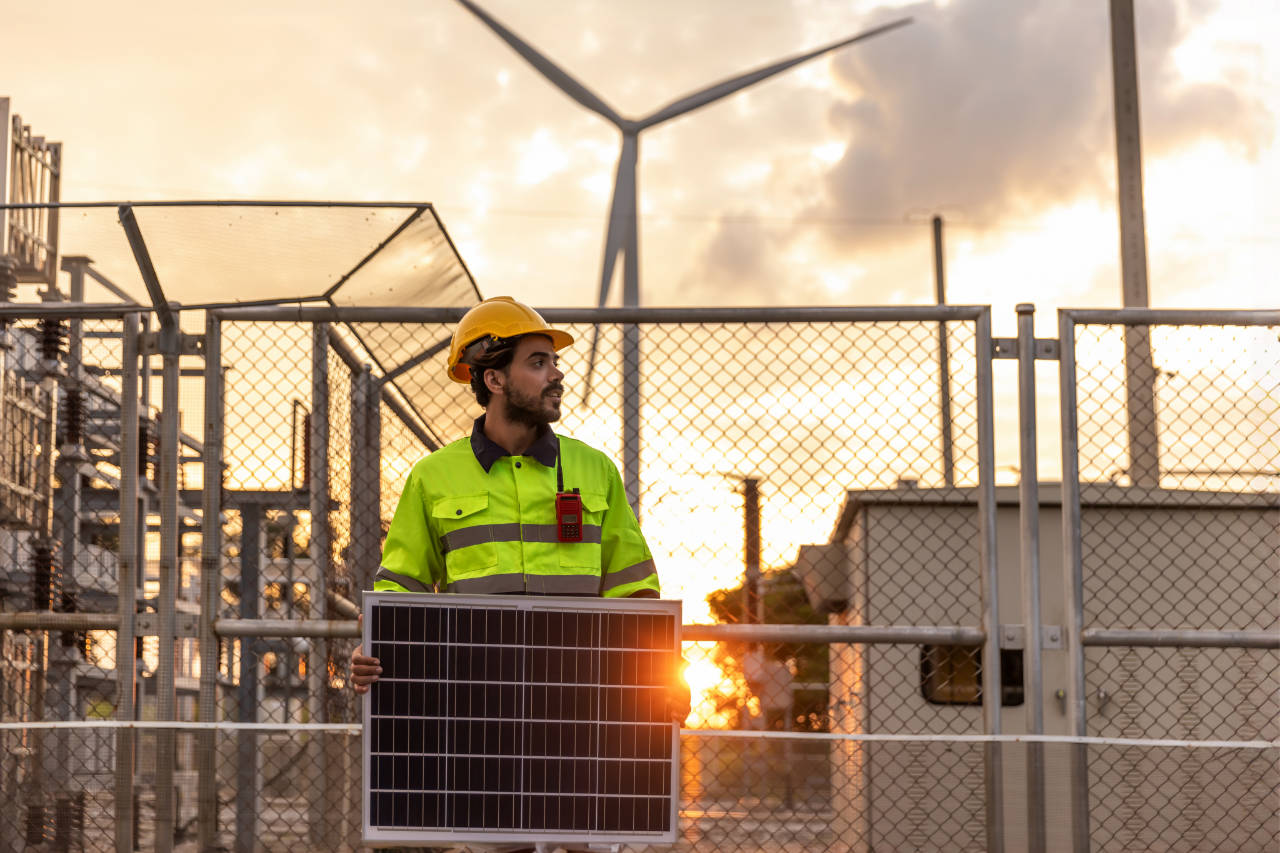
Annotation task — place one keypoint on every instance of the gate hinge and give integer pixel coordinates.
(1045, 349)
(148, 624)
(1014, 637)
(149, 344)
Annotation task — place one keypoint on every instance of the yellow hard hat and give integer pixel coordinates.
(501, 317)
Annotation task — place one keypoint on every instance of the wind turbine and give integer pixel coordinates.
(622, 231)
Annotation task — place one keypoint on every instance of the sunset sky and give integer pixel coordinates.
(812, 188)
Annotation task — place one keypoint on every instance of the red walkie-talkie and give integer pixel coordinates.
(568, 516)
(568, 509)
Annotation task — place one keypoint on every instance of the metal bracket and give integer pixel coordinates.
(1044, 349)
(148, 624)
(1015, 637)
(149, 344)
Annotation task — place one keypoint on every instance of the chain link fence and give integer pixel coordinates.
(1178, 429)
(797, 471)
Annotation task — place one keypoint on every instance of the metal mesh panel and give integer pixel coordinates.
(1180, 504)
(1163, 798)
(268, 367)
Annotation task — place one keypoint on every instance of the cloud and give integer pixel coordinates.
(994, 113)
(1004, 109)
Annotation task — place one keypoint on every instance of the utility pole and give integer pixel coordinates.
(944, 359)
(752, 610)
(1144, 460)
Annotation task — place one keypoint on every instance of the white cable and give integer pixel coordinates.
(340, 728)
(1091, 741)
(356, 728)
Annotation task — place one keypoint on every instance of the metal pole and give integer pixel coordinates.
(774, 314)
(1073, 575)
(6, 146)
(170, 533)
(126, 584)
(752, 612)
(631, 346)
(366, 477)
(991, 676)
(51, 224)
(944, 359)
(210, 586)
(324, 801)
(908, 635)
(1029, 519)
(1181, 638)
(142, 256)
(631, 413)
(1144, 459)
(247, 692)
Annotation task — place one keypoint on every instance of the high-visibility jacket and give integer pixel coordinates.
(460, 528)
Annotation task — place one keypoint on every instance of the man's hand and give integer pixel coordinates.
(364, 669)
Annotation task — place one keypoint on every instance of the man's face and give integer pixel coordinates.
(533, 390)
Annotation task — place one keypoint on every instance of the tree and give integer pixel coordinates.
(785, 603)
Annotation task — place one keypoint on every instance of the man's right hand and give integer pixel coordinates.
(364, 669)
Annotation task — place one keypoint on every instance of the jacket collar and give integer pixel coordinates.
(544, 448)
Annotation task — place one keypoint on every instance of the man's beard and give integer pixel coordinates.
(530, 410)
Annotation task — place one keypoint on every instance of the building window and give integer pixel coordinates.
(952, 675)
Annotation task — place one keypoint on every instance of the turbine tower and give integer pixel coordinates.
(622, 233)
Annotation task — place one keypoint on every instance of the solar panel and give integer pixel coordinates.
(512, 718)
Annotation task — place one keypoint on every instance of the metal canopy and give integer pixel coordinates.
(211, 254)
(216, 253)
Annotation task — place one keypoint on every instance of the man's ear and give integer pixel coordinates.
(493, 380)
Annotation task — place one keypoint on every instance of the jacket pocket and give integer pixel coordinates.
(466, 535)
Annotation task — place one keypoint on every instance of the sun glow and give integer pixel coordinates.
(713, 690)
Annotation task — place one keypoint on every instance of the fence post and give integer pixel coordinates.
(944, 361)
(247, 754)
(324, 801)
(210, 586)
(631, 412)
(991, 678)
(170, 345)
(366, 478)
(1073, 574)
(126, 586)
(1029, 519)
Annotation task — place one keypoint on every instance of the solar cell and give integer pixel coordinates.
(512, 718)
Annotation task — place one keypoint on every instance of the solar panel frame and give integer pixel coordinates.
(580, 718)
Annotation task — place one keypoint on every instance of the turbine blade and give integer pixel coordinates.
(622, 211)
(630, 203)
(591, 364)
(621, 207)
(724, 88)
(544, 66)
(615, 232)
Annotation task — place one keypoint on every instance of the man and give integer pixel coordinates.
(480, 515)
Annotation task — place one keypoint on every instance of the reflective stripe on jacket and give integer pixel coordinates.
(461, 529)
